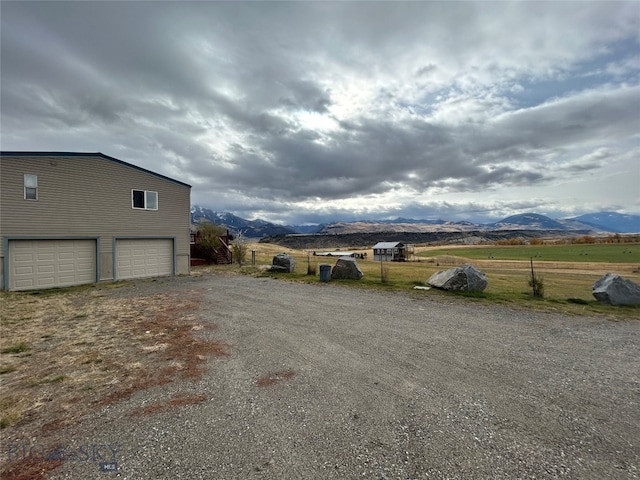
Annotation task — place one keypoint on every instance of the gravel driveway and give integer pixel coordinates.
(329, 382)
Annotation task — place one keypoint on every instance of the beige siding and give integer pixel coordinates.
(90, 196)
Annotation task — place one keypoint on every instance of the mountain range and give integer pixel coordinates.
(600, 222)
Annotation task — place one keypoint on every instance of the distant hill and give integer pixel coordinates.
(612, 221)
(601, 222)
(531, 221)
(526, 221)
(249, 228)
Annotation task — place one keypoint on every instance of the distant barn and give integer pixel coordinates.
(392, 252)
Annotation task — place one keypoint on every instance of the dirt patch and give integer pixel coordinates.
(273, 378)
(177, 401)
(66, 353)
(30, 468)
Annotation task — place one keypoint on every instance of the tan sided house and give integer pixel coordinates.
(75, 218)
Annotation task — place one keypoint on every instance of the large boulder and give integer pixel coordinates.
(346, 267)
(614, 289)
(283, 262)
(466, 278)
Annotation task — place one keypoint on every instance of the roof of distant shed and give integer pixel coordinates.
(388, 245)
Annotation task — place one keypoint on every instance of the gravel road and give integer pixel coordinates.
(330, 382)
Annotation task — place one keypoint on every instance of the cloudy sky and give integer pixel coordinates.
(313, 111)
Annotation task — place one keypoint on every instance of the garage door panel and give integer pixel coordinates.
(137, 258)
(51, 263)
(24, 285)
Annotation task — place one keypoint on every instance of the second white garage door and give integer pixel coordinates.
(144, 257)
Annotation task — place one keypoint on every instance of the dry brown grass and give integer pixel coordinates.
(86, 350)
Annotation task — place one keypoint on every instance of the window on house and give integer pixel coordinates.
(30, 187)
(144, 199)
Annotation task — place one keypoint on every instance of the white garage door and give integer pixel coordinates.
(37, 264)
(144, 257)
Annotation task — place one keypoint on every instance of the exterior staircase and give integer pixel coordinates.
(224, 254)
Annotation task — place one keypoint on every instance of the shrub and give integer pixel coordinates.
(208, 240)
(536, 282)
(240, 248)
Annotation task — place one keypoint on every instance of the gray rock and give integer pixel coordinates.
(346, 267)
(279, 269)
(466, 278)
(287, 262)
(614, 289)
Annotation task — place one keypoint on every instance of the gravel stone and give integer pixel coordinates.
(398, 386)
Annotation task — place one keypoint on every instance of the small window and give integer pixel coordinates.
(30, 187)
(151, 200)
(144, 199)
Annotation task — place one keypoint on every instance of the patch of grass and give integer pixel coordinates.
(17, 348)
(102, 349)
(578, 301)
(53, 379)
(11, 408)
(7, 369)
(6, 322)
(601, 252)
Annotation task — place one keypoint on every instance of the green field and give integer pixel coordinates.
(608, 253)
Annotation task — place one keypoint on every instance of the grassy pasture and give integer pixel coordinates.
(568, 281)
(604, 252)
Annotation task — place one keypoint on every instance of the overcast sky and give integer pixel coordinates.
(315, 111)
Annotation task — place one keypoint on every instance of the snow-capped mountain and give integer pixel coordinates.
(249, 228)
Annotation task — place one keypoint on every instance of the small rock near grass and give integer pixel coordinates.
(346, 268)
(465, 278)
(283, 262)
(615, 290)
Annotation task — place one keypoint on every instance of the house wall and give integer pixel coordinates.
(385, 254)
(90, 196)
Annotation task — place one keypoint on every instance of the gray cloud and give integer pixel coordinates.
(298, 111)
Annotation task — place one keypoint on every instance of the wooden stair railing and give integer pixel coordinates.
(224, 254)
